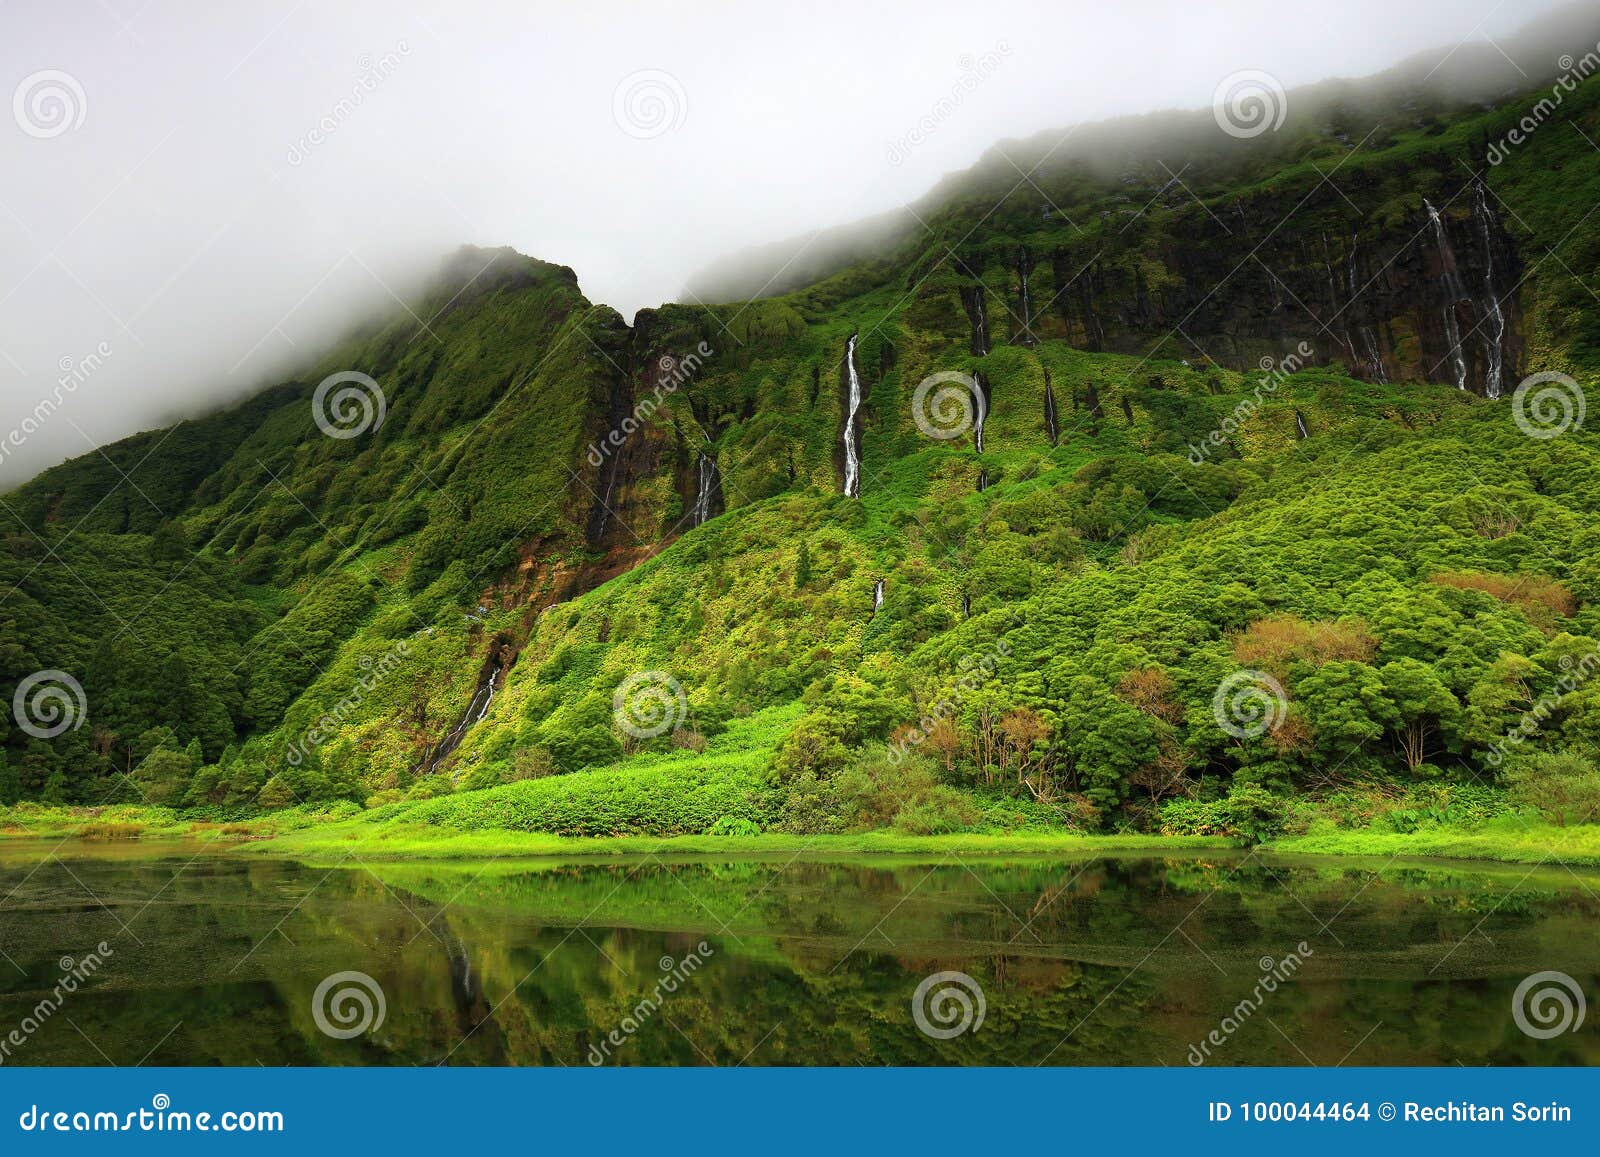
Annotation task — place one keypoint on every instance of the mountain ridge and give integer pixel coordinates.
(295, 600)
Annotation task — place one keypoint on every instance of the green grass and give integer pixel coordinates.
(409, 841)
(1510, 843)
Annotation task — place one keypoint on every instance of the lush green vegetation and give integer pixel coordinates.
(272, 619)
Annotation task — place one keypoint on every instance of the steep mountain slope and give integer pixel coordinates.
(1209, 407)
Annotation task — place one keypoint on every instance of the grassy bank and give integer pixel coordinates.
(422, 842)
(1529, 844)
(507, 822)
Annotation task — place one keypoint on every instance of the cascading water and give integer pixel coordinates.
(1051, 424)
(877, 597)
(966, 606)
(980, 404)
(983, 481)
(1026, 336)
(488, 684)
(705, 488)
(1455, 290)
(1300, 425)
(852, 458)
(973, 301)
(1495, 339)
(1368, 339)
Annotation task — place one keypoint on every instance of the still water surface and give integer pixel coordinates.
(216, 958)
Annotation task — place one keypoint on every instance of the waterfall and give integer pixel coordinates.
(1026, 336)
(852, 459)
(706, 481)
(983, 481)
(1300, 425)
(966, 606)
(980, 390)
(1368, 338)
(1051, 425)
(482, 696)
(1374, 358)
(972, 300)
(1496, 340)
(877, 597)
(1455, 290)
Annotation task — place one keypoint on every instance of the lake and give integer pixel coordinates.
(181, 956)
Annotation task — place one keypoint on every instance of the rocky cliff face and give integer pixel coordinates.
(1432, 295)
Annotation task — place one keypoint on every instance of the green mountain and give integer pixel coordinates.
(1157, 475)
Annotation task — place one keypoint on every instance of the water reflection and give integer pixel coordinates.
(1103, 961)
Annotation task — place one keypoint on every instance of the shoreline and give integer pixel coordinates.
(1577, 847)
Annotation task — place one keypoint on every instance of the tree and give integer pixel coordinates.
(1422, 704)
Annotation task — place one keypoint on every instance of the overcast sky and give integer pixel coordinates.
(196, 195)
